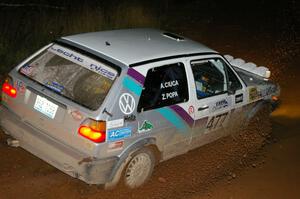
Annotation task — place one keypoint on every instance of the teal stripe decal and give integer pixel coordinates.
(172, 117)
(132, 86)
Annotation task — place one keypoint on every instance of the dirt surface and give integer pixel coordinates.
(276, 173)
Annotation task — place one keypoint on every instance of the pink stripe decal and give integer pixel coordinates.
(183, 114)
(136, 75)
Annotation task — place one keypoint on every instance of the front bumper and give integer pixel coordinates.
(275, 104)
(69, 160)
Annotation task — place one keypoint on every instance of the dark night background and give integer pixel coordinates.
(27, 25)
(265, 32)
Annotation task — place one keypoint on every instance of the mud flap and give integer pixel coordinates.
(97, 171)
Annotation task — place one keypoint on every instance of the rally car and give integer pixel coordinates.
(105, 107)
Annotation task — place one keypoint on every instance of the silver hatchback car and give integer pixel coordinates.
(107, 106)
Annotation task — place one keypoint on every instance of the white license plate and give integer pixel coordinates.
(45, 106)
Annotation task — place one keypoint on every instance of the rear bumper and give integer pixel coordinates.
(69, 160)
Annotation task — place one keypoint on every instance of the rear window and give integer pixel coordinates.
(72, 75)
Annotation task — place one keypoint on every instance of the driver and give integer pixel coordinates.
(202, 86)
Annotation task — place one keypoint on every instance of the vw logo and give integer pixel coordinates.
(126, 103)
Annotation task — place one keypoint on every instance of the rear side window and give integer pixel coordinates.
(72, 75)
(164, 86)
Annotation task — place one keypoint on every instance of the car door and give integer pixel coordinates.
(164, 102)
(212, 99)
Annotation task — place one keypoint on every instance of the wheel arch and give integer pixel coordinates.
(149, 142)
(258, 106)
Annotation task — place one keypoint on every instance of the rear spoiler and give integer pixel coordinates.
(261, 71)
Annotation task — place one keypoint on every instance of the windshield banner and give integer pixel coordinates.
(84, 61)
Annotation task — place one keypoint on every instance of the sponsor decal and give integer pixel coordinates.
(55, 86)
(126, 103)
(129, 118)
(66, 53)
(239, 98)
(118, 134)
(20, 86)
(77, 115)
(220, 104)
(101, 70)
(191, 110)
(114, 123)
(145, 127)
(84, 61)
(254, 94)
(27, 70)
(115, 146)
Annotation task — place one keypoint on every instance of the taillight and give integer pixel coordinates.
(93, 130)
(8, 89)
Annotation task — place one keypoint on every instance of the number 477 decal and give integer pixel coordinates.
(216, 121)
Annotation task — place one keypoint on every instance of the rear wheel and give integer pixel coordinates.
(139, 168)
(135, 170)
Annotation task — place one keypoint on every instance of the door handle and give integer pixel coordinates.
(203, 108)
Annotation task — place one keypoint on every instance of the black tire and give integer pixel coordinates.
(139, 168)
(121, 177)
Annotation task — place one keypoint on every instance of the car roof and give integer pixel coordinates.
(132, 46)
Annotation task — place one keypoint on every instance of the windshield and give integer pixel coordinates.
(71, 74)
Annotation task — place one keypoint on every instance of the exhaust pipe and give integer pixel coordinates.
(13, 142)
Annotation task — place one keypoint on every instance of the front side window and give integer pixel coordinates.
(72, 75)
(164, 86)
(210, 77)
(233, 82)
